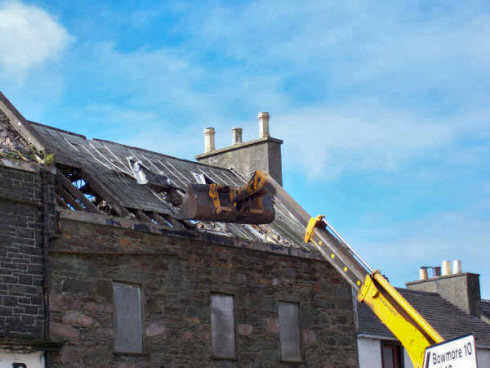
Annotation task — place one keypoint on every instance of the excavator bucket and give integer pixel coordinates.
(212, 202)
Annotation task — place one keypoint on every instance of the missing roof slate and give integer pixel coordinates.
(132, 182)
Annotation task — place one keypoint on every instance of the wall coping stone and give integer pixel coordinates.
(217, 239)
(20, 165)
(237, 146)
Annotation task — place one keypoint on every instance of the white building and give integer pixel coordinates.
(451, 303)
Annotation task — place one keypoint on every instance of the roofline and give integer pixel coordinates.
(57, 129)
(206, 236)
(417, 291)
(127, 146)
(22, 126)
(162, 154)
(377, 337)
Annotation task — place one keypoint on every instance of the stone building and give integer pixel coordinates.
(98, 271)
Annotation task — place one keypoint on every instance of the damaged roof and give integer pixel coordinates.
(106, 177)
(446, 318)
(112, 165)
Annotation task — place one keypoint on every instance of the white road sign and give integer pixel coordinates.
(457, 353)
(19, 360)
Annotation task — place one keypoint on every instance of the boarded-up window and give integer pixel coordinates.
(128, 336)
(289, 332)
(223, 326)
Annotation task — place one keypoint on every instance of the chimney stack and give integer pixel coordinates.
(209, 139)
(262, 153)
(263, 124)
(236, 135)
(461, 289)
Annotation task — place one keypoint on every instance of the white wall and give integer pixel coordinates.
(369, 352)
(483, 357)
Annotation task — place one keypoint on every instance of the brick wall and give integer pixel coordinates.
(177, 275)
(21, 260)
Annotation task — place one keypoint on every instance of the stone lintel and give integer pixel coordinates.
(25, 345)
(20, 165)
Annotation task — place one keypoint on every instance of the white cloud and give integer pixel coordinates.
(327, 142)
(29, 37)
(459, 234)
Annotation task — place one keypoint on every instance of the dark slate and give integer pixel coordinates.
(446, 318)
(485, 307)
(107, 162)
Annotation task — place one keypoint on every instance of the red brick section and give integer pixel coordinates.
(177, 277)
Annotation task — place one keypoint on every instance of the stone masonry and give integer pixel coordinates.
(260, 154)
(177, 272)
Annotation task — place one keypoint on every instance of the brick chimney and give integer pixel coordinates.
(461, 289)
(263, 153)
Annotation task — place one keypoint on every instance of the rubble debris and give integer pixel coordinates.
(12, 145)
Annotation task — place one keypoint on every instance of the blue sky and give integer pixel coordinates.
(383, 107)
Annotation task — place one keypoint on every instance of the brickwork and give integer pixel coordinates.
(177, 275)
(21, 260)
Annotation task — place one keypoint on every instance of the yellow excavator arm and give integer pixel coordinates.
(253, 204)
(403, 320)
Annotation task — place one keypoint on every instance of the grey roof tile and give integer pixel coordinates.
(445, 317)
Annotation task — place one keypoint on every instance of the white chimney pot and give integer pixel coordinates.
(264, 118)
(209, 139)
(457, 269)
(236, 135)
(423, 273)
(446, 268)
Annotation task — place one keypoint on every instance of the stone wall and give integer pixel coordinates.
(177, 273)
(462, 290)
(260, 154)
(21, 252)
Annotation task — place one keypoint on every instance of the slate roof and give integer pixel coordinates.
(107, 162)
(485, 307)
(447, 319)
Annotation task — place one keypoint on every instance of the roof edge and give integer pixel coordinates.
(20, 124)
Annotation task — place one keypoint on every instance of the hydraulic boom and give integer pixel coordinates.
(252, 204)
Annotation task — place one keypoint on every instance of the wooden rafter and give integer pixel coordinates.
(77, 194)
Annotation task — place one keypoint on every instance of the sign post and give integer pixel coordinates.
(456, 353)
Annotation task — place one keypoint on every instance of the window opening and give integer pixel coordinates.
(289, 332)
(128, 334)
(223, 326)
(202, 178)
(391, 354)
